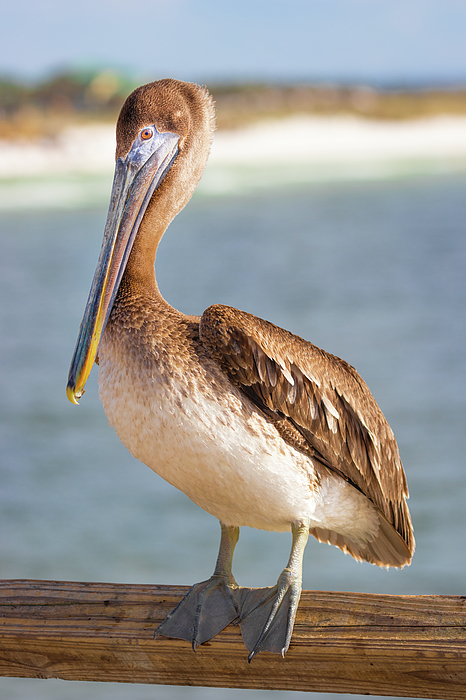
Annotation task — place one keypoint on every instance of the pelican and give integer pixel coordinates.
(257, 426)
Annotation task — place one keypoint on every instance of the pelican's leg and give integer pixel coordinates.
(209, 606)
(268, 615)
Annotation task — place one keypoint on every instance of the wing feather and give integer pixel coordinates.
(321, 404)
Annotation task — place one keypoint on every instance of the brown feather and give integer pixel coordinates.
(324, 408)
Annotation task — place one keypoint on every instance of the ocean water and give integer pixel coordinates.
(371, 271)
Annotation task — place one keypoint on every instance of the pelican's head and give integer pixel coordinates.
(164, 133)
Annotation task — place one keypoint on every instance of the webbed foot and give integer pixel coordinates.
(205, 611)
(268, 615)
(210, 606)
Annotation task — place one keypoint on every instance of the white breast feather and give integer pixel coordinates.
(230, 461)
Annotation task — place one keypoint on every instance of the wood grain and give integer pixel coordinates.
(343, 642)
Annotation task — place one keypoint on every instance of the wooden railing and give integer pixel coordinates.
(343, 642)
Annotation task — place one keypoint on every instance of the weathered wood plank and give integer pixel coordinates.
(343, 642)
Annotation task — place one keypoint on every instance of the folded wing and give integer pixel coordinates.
(322, 406)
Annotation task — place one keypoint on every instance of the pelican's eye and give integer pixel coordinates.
(147, 134)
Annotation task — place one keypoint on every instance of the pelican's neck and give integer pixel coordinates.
(173, 193)
(140, 269)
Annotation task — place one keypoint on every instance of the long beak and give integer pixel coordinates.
(137, 176)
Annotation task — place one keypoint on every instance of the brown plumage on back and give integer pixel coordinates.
(257, 426)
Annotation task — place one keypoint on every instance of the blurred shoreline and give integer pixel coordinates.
(43, 109)
(75, 167)
(57, 139)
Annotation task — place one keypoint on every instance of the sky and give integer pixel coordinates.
(359, 41)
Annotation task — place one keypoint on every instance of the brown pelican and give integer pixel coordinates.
(257, 426)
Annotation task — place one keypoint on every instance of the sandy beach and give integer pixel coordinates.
(299, 139)
(290, 151)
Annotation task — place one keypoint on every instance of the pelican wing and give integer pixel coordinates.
(320, 403)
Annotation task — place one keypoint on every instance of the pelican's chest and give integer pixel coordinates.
(153, 387)
(178, 413)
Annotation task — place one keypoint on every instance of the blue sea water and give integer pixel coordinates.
(371, 271)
